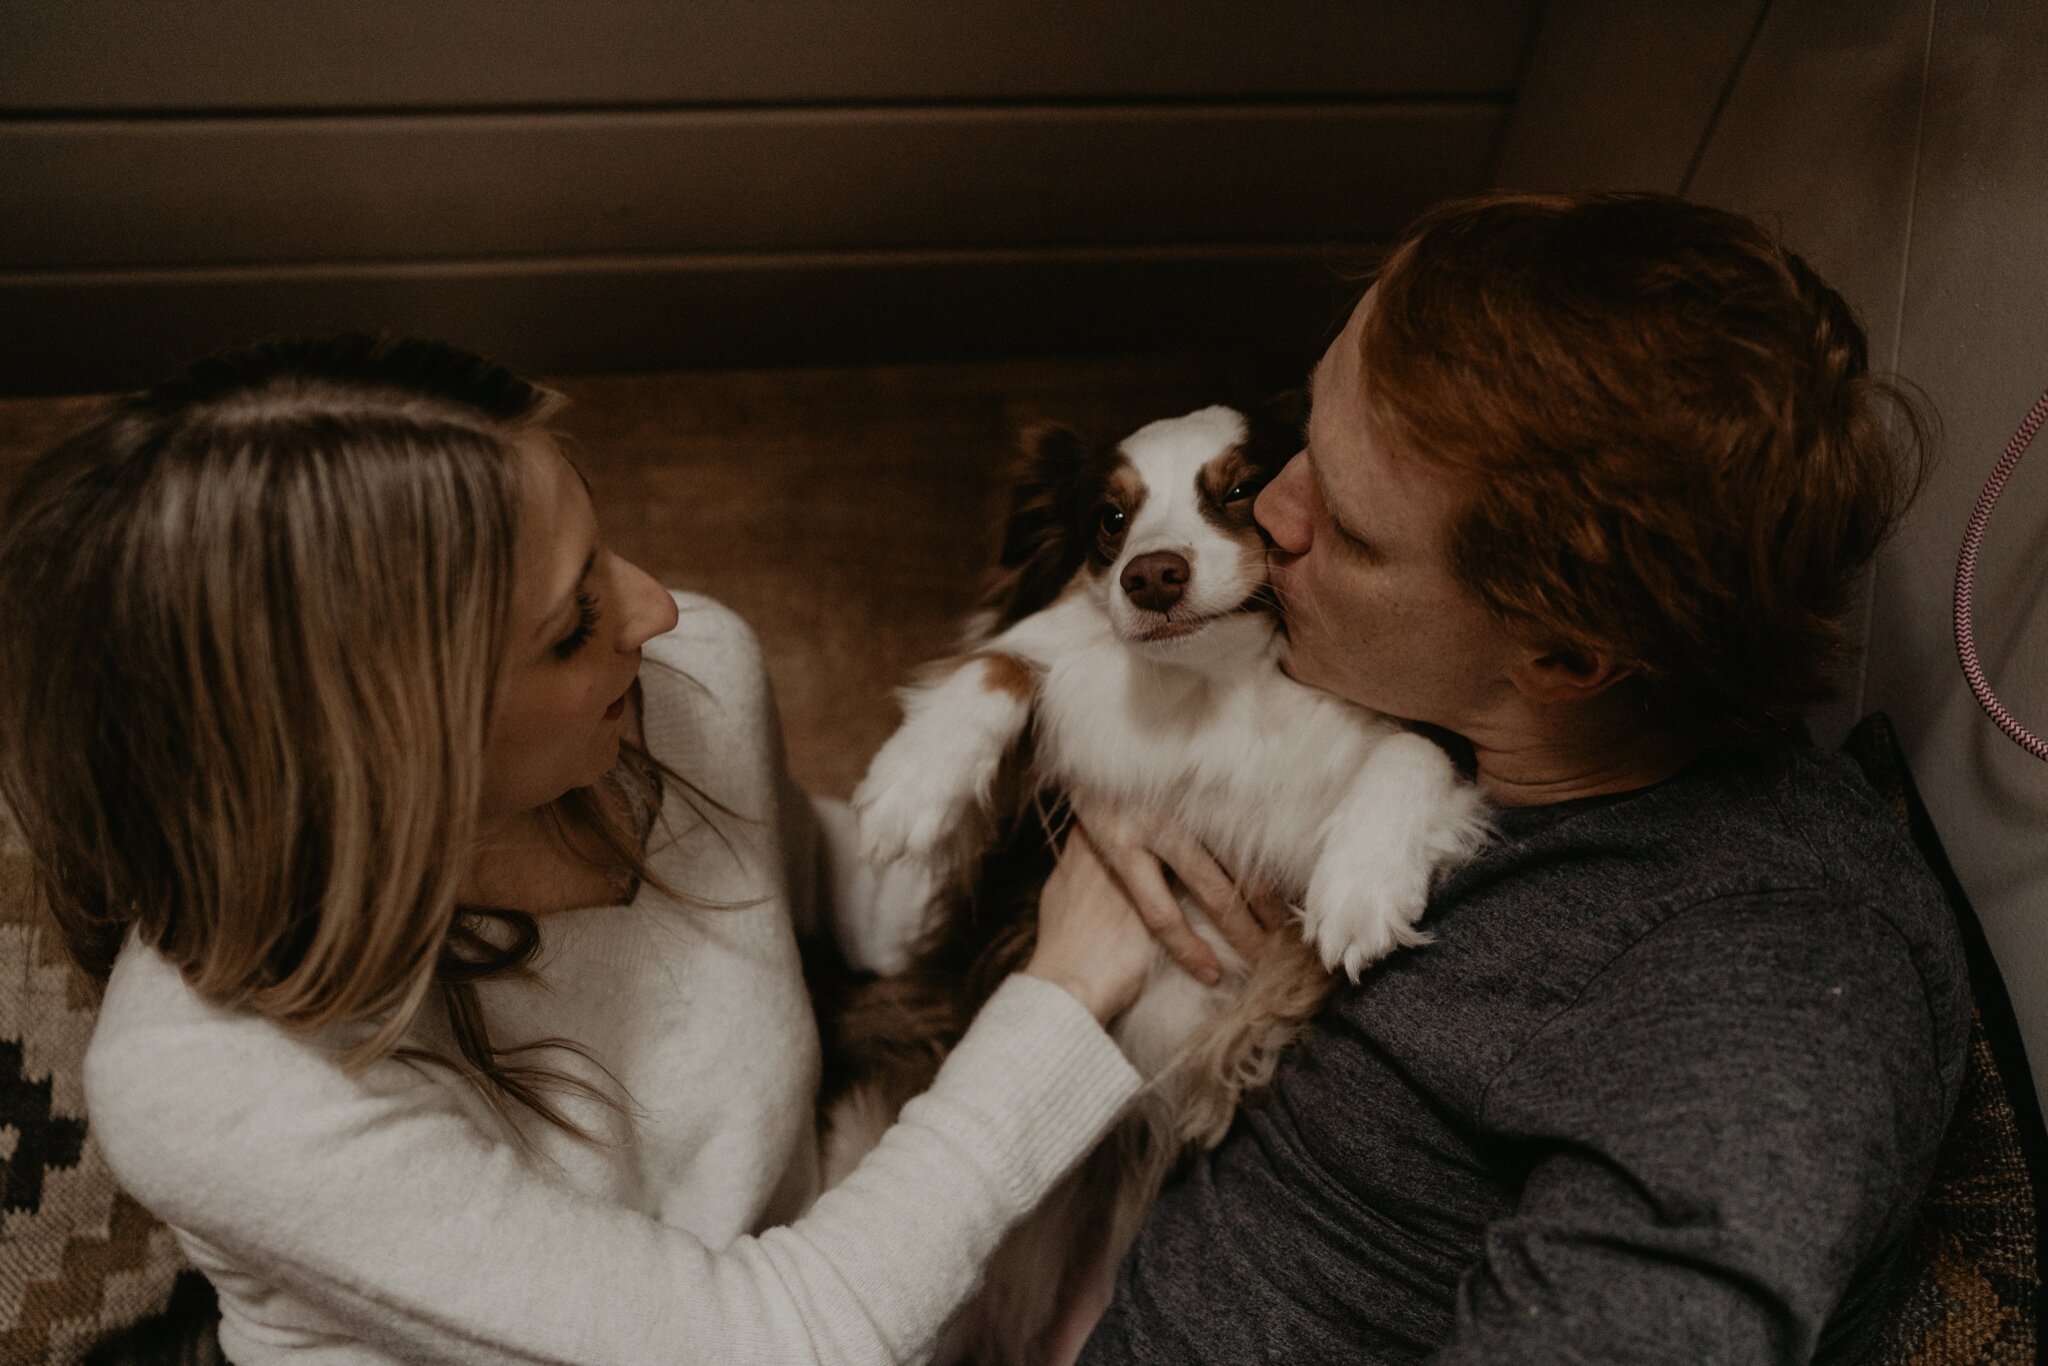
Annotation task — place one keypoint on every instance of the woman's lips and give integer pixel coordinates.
(618, 708)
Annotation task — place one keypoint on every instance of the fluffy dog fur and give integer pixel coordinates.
(1127, 653)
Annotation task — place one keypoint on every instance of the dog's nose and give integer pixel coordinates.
(1156, 581)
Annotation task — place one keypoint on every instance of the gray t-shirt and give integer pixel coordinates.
(1666, 1088)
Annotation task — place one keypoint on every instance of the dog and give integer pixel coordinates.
(1128, 653)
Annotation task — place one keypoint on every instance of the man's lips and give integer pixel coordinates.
(1277, 576)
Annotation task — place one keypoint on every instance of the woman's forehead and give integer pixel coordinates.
(557, 530)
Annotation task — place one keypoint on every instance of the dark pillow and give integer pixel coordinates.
(1970, 1289)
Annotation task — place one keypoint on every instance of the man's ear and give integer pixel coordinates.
(1564, 673)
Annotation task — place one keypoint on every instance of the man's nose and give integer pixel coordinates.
(1282, 510)
(1156, 581)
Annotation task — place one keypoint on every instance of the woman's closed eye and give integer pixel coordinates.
(586, 624)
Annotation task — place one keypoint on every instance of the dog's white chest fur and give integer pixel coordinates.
(1248, 761)
(1152, 678)
(1286, 786)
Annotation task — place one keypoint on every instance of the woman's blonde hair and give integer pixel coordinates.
(251, 623)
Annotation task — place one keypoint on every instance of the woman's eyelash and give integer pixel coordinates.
(586, 622)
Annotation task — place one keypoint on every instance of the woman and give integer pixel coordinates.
(448, 886)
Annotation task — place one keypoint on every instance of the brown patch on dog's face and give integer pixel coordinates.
(1230, 483)
(1122, 497)
(1225, 488)
(1007, 674)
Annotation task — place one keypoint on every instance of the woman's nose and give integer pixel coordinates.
(1282, 508)
(649, 610)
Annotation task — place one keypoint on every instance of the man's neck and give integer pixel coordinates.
(1558, 755)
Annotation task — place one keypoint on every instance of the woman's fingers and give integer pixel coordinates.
(1206, 881)
(1090, 938)
(1138, 870)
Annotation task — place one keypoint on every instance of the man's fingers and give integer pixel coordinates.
(1209, 884)
(1146, 886)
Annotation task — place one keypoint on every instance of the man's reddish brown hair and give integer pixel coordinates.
(1675, 454)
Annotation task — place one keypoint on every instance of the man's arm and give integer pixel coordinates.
(1729, 1121)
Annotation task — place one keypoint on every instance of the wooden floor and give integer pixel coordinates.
(846, 513)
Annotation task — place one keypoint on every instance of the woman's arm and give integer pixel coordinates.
(375, 1199)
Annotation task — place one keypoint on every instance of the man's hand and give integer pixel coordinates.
(1140, 845)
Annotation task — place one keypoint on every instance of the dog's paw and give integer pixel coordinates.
(940, 766)
(917, 797)
(1356, 914)
(901, 817)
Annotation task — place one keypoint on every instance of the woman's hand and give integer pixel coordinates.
(1108, 900)
(1135, 841)
(1090, 939)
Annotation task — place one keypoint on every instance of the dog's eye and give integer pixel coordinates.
(1243, 489)
(1112, 520)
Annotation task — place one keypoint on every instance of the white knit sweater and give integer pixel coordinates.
(388, 1216)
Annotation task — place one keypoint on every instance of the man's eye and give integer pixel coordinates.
(1359, 544)
(1112, 520)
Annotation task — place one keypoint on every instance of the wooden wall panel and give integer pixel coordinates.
(117, 329)
(1620, 94)
(72, 55)
(233, 190)
(645, 184)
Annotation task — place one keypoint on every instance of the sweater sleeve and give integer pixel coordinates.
(374, 1199)
(1734, 1116)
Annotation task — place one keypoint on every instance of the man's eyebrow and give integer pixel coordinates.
(589, 563)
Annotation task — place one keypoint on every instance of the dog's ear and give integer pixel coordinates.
(1057, 481)
(1276, 430)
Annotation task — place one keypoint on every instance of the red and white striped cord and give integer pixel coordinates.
(1966, 583)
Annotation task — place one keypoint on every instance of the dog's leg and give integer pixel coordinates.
(940, 766)
(1405, 815)
(852, 1129)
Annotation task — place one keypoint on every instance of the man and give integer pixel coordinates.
(1587, 485)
